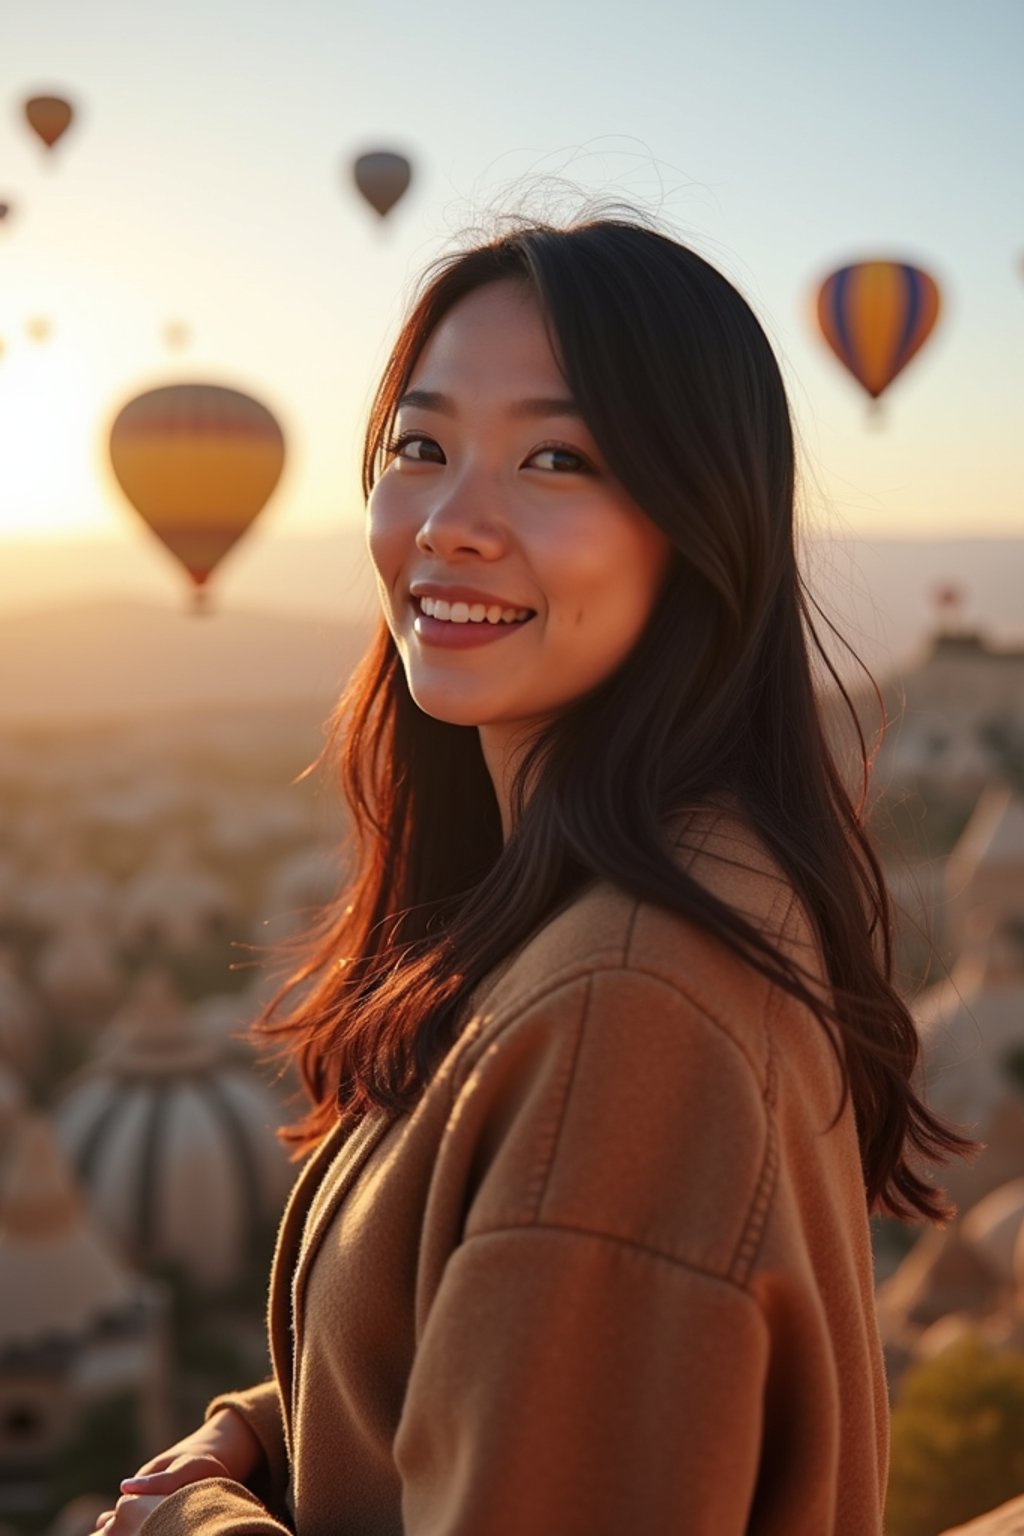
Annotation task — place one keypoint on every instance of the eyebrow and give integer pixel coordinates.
(430, 400)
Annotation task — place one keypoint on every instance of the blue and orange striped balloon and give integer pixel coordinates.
(875, 315)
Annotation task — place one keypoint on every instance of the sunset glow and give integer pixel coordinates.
(218, 237)
(48, 443)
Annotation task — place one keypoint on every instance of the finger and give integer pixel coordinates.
(189, 1470)
(155, 1482)
(156, 1464)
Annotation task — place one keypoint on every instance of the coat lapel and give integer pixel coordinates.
(349, 1160)
(289, 1239)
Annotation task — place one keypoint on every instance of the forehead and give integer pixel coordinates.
(492, 341)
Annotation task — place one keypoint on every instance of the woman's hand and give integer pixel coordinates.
(126, 1518)
(224, 1446)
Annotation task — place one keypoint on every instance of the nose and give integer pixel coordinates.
(455, 525)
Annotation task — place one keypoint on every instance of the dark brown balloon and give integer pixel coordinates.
(382, 177)
(49, 117)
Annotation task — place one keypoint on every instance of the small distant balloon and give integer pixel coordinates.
(382, 177)
(5, 209)
(38, 328)
(49, 117)
(197, 462)
(948, 598)
(176, 333)
(875, 315)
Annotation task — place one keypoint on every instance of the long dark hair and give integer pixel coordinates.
(681, 391)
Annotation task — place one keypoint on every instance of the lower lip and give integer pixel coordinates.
(461, 636)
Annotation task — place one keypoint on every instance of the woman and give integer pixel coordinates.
(605, 1066)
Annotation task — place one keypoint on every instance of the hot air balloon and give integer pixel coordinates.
(382, 177)
(197, 462)
(38, 327)
(948, 598)
(875, 315)
(48, 117)
(176, 333)
(5, 209)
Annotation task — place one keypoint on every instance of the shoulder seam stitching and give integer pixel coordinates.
(628, 1243)
(585, 971)
(574, 1056)
(754, 1227)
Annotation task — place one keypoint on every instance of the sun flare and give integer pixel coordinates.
(51, 449)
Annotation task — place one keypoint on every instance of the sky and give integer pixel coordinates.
(207, 180)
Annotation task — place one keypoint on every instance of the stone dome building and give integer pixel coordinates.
(972, 1024)
(78, 973)
(174, 904)
(76, 1326)
(994, 1226)
(65, 889)
(960, 709)
(175, 1143)
(239, 819)
(299, 887)
(21, 1037)
(971, 1071)
(13, 1100)
(984, 880)
(10, 892)
(972, 1032)
(221, 1017)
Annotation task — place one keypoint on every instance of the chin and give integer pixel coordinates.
(449, 711)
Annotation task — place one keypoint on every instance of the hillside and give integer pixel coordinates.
(98, 660)
(292, 614)
(878, 591)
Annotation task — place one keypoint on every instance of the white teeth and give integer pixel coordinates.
(463, 613)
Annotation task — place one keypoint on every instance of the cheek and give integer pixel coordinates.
(385, 538)
(608, 575)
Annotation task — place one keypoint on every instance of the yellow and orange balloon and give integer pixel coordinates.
(875, 315)
(198, 462)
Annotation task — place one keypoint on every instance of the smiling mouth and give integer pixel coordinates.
(467, 635)
(526, 614)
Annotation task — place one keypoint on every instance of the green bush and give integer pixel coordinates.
(957, 1438)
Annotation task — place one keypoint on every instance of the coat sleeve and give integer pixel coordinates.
(260, 1407)
(586, 1362)
(570, 1383)
(219, 1506)
(215, 1506)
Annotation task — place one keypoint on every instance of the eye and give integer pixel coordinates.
(393, 449)
(398, 443)
(582, 467)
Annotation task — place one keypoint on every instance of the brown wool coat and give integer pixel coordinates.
(612, 1276)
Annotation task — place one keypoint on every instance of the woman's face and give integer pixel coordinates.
(517, 505)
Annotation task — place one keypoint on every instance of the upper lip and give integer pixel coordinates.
(462, 595)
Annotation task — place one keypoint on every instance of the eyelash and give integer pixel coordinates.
(392, 448)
